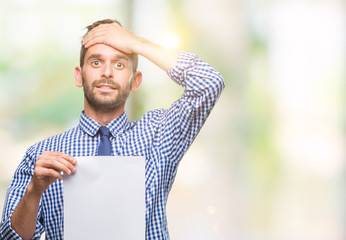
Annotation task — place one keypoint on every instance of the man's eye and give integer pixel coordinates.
(119, 65)
(96, 63)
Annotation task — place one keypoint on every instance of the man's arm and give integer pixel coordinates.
(120, 38)
(48, 168)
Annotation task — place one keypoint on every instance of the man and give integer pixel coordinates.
(107, 73)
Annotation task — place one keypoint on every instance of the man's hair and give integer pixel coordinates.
(83, 50)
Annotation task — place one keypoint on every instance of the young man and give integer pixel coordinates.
(107, 73)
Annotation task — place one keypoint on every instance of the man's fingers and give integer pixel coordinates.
(103, 29)
(104, 34)
(49, 167)
(96, 32)
(58, 161)
(69, 158)
(53, 173)
(100, 37)
(55, 164)
(48, 154)
(94, 41)
(67, 162)
(112, 35)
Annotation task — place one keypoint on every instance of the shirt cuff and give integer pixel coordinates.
(185, 61)
(6, 231)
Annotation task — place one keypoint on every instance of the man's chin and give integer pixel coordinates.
(105, 106)
(105, 102)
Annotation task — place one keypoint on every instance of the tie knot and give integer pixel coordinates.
(104, 131)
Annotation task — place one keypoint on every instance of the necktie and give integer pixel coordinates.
(105, 147)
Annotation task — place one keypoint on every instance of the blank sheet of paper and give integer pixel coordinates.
(105, 199)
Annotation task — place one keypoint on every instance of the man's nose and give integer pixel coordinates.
(107, 71)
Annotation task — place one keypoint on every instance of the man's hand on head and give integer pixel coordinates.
(120, 38)
(113, 35)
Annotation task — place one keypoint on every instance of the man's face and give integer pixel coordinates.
(107, 77)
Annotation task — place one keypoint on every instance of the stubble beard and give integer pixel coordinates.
(105, 102)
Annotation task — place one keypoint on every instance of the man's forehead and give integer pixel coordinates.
(102, 50)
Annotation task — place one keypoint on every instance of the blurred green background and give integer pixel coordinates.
(269, 163)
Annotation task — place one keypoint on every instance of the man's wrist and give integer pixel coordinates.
(139, 45)
(32, 192)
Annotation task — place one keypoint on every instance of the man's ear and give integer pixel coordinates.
(78, 76)
(137, 80)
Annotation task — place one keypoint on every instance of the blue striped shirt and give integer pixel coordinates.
(162, 136)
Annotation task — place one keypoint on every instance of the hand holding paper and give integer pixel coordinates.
(48, 168)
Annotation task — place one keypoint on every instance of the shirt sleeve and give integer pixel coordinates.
(15, 193)
(181, 123)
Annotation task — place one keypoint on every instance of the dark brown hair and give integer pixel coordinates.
(83, 50)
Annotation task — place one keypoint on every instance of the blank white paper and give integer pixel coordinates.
(105, 199)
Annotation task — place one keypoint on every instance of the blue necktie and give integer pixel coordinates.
(105, 147)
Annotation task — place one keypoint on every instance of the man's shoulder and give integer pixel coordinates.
(151, 117)
(50, 143)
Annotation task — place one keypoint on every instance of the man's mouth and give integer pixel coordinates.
(105, 86)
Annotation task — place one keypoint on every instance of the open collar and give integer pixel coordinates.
(91, 126)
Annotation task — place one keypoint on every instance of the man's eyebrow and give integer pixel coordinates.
(121, 56)
(116, 56)
(93, 56)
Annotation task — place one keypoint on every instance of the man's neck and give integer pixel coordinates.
(103, 116)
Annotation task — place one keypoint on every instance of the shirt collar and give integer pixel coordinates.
(91, 126)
